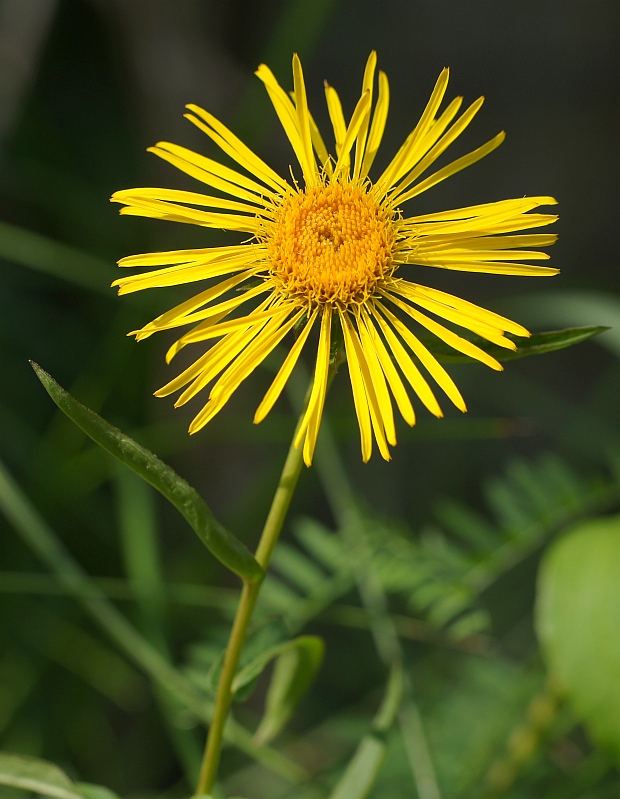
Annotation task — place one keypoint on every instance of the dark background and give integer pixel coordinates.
(85, 87)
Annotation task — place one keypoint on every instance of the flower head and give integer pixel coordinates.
(336, 253)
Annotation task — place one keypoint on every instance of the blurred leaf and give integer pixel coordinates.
(264, 636)
(140, 540)
(295, 669)
(84, 656)
(363, 769)
(46, 255)
(32, 774)
(221, 543)
(578, 623)
(297, 663)
(46, 544)
(89, 791)
(537, 344)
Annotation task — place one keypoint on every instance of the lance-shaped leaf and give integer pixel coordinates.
(297, 663)
(363, 769)
(578, 624)
(537, 344)
(219, 541)
(38, 776)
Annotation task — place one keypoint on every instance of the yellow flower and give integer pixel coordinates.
(336, 253)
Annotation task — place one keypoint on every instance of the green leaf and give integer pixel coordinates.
(363, 769)
(293, 674)
(39, 776)
(570, 307)
(89, 791)
(297, 663)
(221, 543)
(262, 637)
(537, 344)
(578, 623)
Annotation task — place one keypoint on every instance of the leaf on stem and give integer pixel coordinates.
(537, 344)
(296, 665)
(219, 541)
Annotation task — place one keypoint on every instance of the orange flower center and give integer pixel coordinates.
(331, 245)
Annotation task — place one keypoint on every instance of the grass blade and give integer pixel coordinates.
(44, 542)
(42, 254)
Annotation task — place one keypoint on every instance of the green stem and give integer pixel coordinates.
(249, 595)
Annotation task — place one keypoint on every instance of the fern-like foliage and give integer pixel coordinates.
(442, 572)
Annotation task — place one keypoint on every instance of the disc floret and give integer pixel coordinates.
(332, 245)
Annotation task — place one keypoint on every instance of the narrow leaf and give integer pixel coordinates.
(42, 254)
(256, 666)
(363, 769)
(578, 623)
(296, 665)
(38, 776)
(293, 674)
(537, 344)
(221, 543)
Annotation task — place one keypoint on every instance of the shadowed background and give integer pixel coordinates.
(85, 87)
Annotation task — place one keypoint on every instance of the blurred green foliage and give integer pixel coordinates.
(114, 615)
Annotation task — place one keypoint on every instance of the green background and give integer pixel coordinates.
(85, 87)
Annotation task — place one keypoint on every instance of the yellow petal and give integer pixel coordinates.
(519, 205)
(452, 339)
(174, 318)
(454, 167)
(377, 381)
(211, 364)
(393, 169)
(303, 122)
(378, 124)
(210, 172)
(359, 115)
(247, 361)
(275, 389)
(319, 146)
(435, 369)
(181, 256)
(193, 216)
(360, 400)
(490, 317)
(193, 198)
(339, 125)
(396, 384)
(185, 273)
(236, 149)
(409, 369)
(312, 419)
(455, 131)
(287, 115)
(367, 86)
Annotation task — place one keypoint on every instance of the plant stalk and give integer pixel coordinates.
(251, 589)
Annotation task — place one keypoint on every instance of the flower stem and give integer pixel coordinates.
(249, 595)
